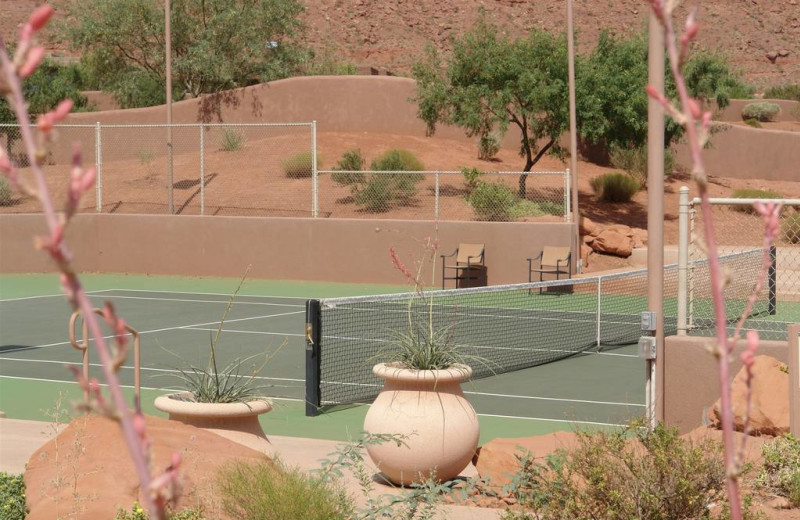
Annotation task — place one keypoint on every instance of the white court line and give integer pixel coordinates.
(252, 332)
(224, 302)
(204, 293)
(512, 396)
(570, 421)
(130, 386)
(60, 295)
(164, 329)
(127, 367)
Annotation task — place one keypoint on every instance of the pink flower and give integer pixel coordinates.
(40, 17)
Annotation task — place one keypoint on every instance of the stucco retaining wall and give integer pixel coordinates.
(340, 250)
(690, 378)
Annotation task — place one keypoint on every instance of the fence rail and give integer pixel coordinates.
(269, 169)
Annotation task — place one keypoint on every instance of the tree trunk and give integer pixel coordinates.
(529, 162)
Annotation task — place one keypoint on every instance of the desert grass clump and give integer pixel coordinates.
(488, 146)
(231, 140)
(12, 497)
(633, 161)
(615, 187)
(265, 490)
(780, 473)
(494, 201)
(138, 513)
(627, 473)
(397, 160)
(300, 165)
(378, 192)
(790, 91)
(754, 123)
(349, 169)
(761, 111)
(790, 229)
(6, 193)
(749, 193)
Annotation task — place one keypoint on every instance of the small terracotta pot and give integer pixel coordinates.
(235, 421)
(430, 410)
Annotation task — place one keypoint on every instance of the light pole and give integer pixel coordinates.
(573, 137)
(168, 58)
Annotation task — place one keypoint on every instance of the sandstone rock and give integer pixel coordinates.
(586, 251)
(780, 503)
(612, 242)
(586, 226)
(639, 237)
(783, 53)
(90, 458)
(772, 56)
(752, 445)
(496, 459)
(622, 229)
(769, 414)
(588, 239)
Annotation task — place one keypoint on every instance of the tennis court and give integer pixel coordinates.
(176, 328)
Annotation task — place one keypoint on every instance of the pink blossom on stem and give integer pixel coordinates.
(33, 60)
(46, 122)
(40, 17)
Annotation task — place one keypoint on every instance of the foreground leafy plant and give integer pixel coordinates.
(12, 497)
(266, 490)
(628, 473)
(781, 470)
(137, 513)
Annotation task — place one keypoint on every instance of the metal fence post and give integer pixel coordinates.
(567, 208)
(202, 171)
(690, 269)
(314, 172)
(98, 162)
(436, 196)
(683, 259)
(599, 284)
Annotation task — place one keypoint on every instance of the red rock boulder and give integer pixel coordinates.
(87, 472)
(613, 242)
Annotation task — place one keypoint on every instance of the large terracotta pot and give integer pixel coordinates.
(235, 421)
(430, 410)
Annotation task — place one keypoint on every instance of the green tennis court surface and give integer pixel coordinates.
(177, 317)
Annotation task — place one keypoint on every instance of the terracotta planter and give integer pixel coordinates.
(429, 408)
(235, 421)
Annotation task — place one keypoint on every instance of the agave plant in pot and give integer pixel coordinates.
(224, 401)
(421, 399)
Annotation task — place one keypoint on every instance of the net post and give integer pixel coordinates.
(313, 338)
(683, 260)
(98, 161)
(773, 279)
(794, 379)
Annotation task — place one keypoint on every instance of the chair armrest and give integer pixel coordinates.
(469, 260)
(451, 254)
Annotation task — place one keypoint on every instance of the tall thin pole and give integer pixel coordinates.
(168, 58)
(573, 137)
(655, 213)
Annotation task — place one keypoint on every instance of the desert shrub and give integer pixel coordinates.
(754, 123)
(472, 177)
(138, 513)
(494, 201)
(791, 92)
(231, 141)
(299, 165)
(790, 229)
(611, 476)
(615, 187)
(263, 490)
(747, 193)
(633, 161)
(6, 193)
(488, 146)
(781, 470)
(12, 497)
(761, 111)
(397, 160)
(348, 169)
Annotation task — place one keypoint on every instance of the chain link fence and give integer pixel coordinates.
(740, 231)
(268, 170)
(187, 169)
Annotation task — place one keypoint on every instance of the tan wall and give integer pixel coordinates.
(749, 153)
(790, 110)
(691, 381)
(341, 250)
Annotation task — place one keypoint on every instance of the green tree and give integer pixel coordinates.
(611, 98)
(491, 82)
(217, 44)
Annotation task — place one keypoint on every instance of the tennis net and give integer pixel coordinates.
(509, 327)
